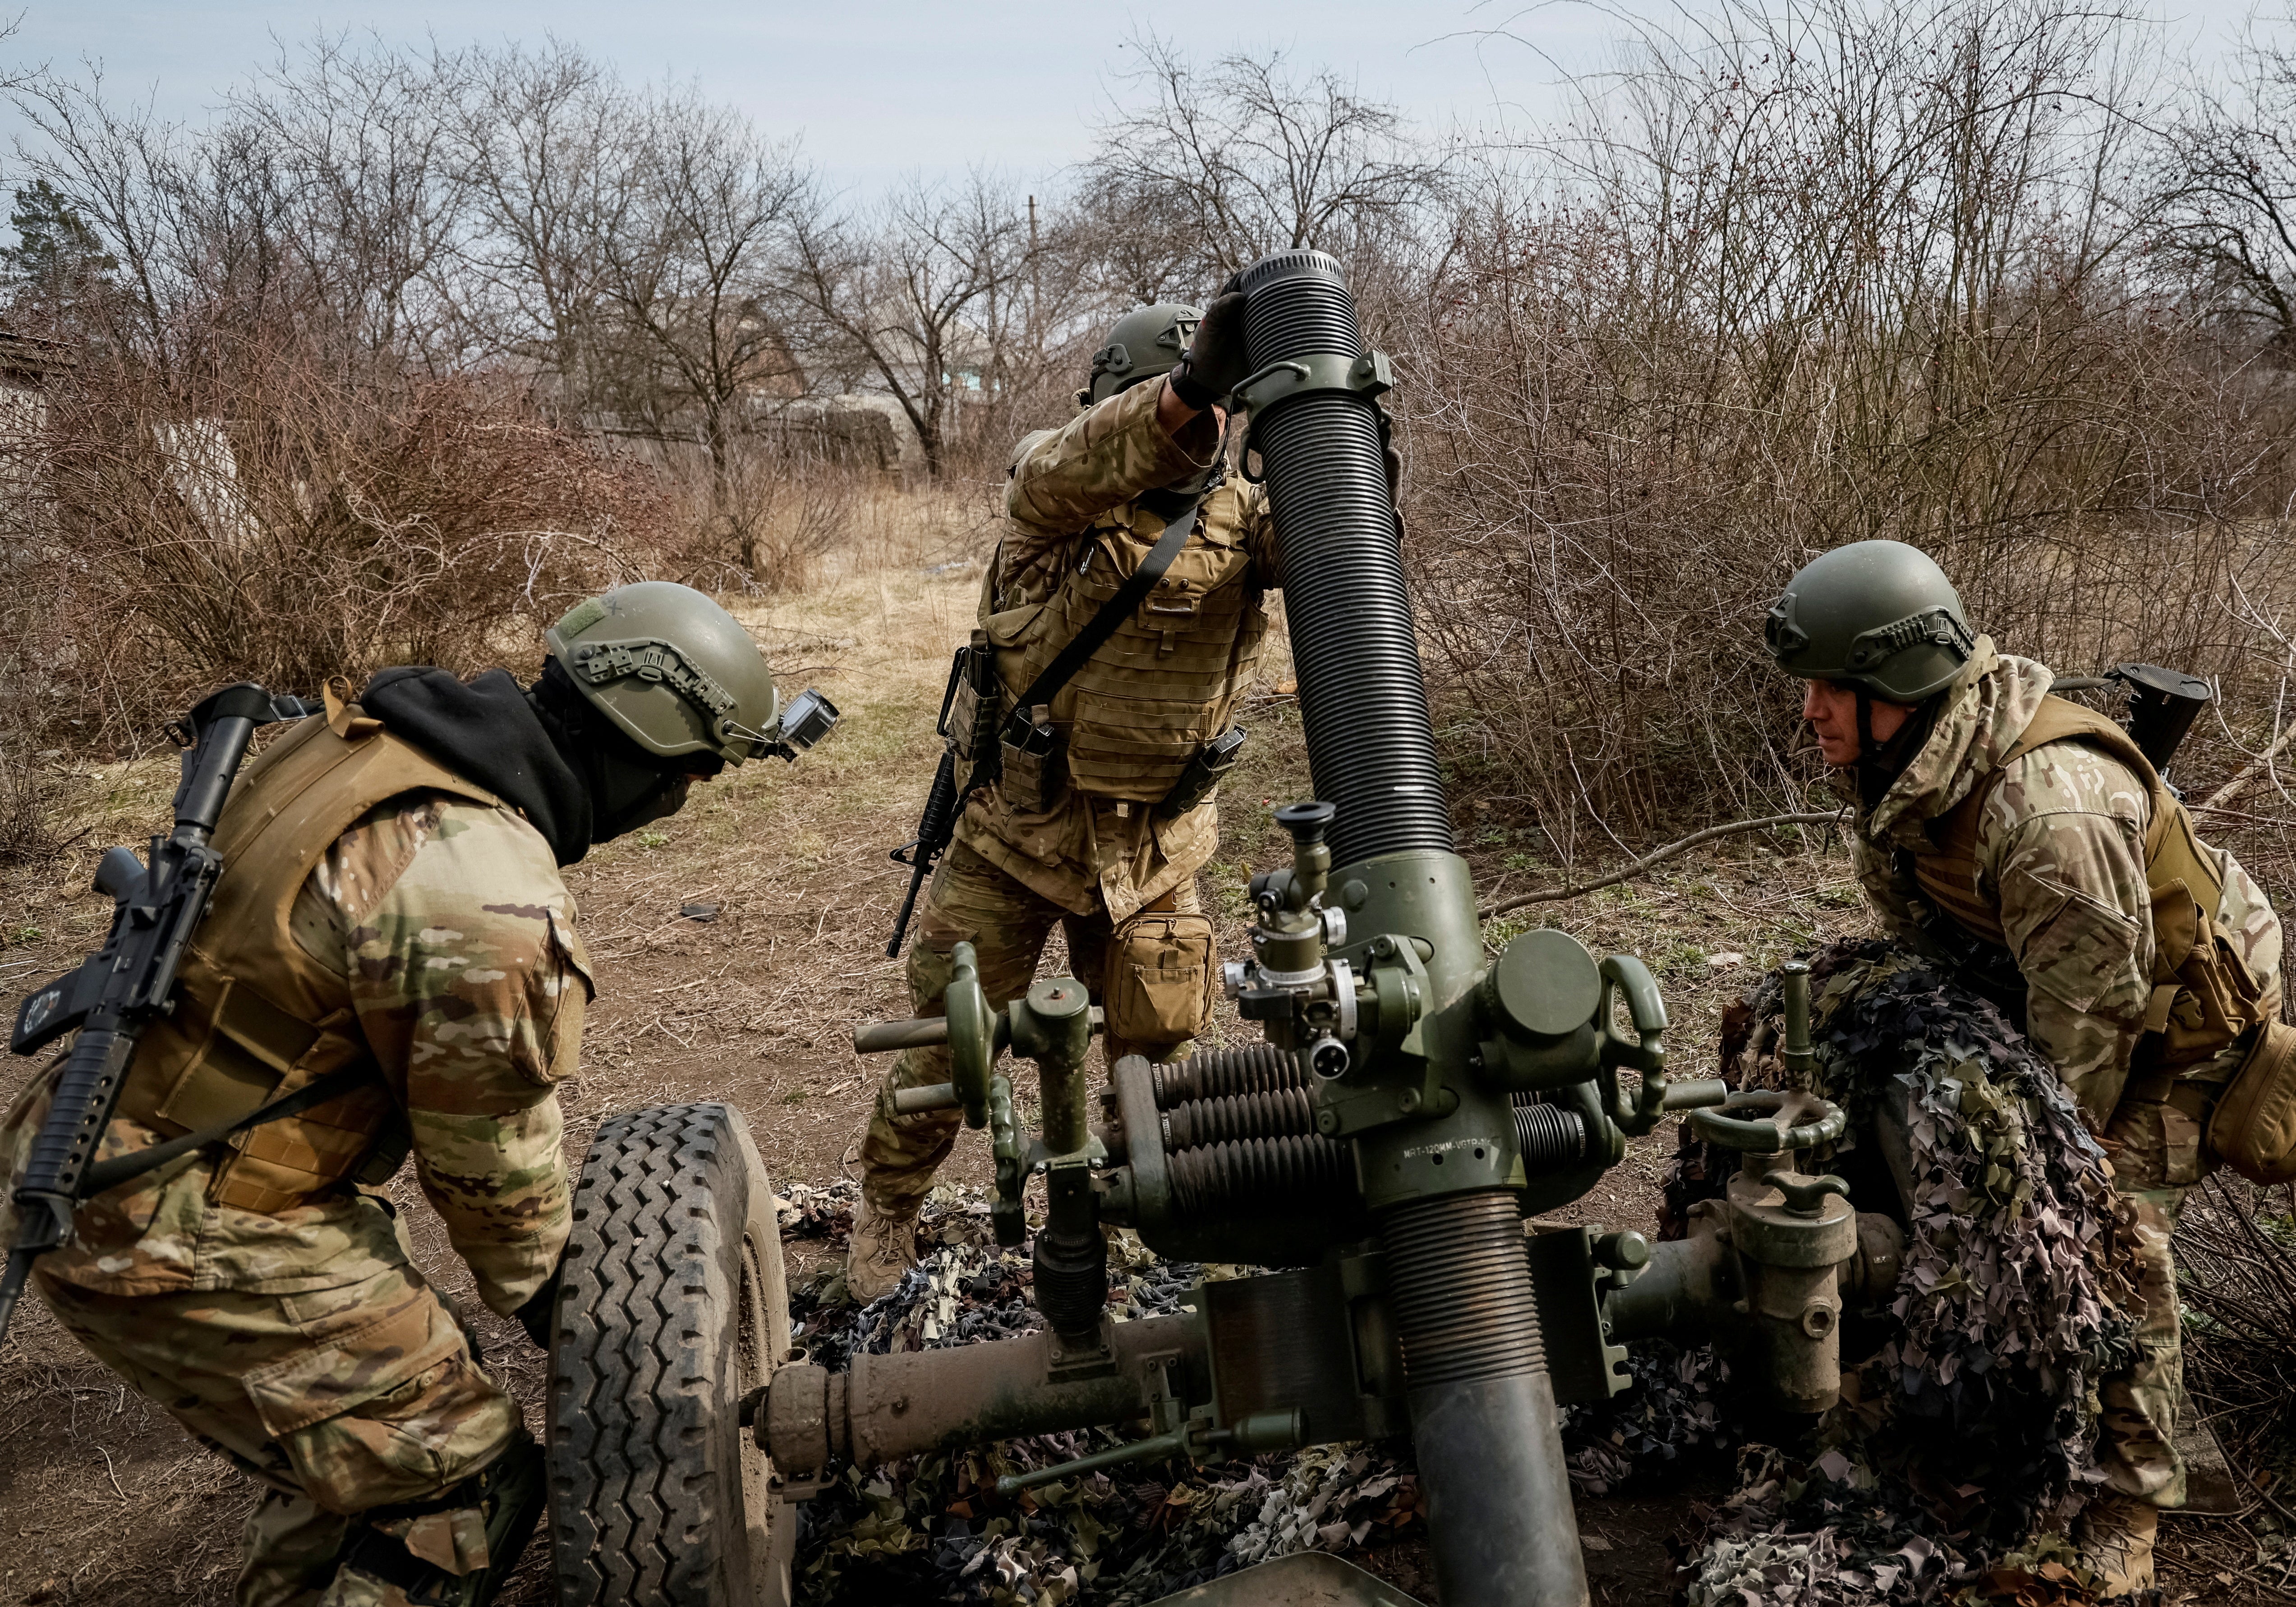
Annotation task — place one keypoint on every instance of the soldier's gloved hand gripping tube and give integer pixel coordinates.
(130, 983)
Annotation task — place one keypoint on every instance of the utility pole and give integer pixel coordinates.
(1036, 289)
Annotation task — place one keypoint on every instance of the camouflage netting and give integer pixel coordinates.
(1963, 1444)
(935, 1530)
(1962, 1447)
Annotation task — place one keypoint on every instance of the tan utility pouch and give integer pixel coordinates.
(1035, 771)
(965, 721)
(1157, 990)
(973, 718)
(2253, 1128)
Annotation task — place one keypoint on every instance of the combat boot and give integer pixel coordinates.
(2116, 1543)
(883, 1247)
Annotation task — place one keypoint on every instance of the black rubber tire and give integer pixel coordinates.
(673, 1307)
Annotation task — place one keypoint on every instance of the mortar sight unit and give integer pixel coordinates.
(1413, 1106)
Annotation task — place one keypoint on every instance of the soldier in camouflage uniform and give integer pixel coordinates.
(2027, 841)
(1090, 850)
(391, 897)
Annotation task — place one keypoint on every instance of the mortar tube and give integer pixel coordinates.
(1363, 700)
(1500, 1524)
(1483, 1419)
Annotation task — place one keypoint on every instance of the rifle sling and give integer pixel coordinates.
(1110, 615)
(122, 1168)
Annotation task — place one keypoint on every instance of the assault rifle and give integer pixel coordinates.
(938, 825)
(130, 983)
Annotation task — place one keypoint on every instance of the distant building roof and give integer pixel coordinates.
(31, 360)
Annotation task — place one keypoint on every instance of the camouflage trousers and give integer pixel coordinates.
(2156, 1157)
(2140, 1406)
(1008, 924)
(341, 1399)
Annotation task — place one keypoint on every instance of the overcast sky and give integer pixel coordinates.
(879, 87)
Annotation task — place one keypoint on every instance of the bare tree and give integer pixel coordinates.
(1249, 157)
(2228, 193)
(320, 193)
(544, 141)
(692, 271)
(1137, 241)
(928, 296)
(346, 149)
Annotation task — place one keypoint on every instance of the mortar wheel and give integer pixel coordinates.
(674, 1306)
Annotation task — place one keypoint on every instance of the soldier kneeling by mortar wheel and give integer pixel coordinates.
(1091, 720)
(2027, 843)
(389, 899)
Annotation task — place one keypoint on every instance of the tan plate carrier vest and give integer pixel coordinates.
(1165, 682)
(2204, 996)
(256, 1016)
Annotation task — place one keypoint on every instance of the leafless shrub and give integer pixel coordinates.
(2236, 1275)
(30, 797)
(762, 519)
(1817, 276)
(264, 516)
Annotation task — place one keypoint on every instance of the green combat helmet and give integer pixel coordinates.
(1879, 616)
(678, 674)
(1146, 343)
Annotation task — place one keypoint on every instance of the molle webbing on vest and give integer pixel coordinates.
(2203, 995)
(1165, 682)
(256, 1016)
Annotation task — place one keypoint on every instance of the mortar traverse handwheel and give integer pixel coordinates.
(1769, 1121)
(674, 1306)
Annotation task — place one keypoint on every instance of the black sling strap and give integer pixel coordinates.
(1088, 641)
(1111, 614)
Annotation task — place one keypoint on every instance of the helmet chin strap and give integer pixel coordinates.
(1871, 783)
(1881, 763)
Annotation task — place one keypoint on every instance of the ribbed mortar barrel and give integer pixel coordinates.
(1549, 1137)
(1483, 1419)
(1361, 698)
(1217, 1073)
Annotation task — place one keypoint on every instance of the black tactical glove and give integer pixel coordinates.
(538, 1315)
(1215, 362)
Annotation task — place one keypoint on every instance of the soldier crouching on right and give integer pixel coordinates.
(2026, 843)
(390, 901)
(1100, 814)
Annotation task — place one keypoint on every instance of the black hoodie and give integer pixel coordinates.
(488, 732)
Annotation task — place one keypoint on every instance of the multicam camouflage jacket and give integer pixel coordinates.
(452, 932)
(1075, 496)
(2060, 852)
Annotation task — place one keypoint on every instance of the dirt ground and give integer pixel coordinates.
(102, 1500)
